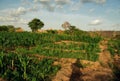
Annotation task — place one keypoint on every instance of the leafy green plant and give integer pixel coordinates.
(17, 67)
(114, 46)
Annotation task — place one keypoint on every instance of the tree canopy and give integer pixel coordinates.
(66, 25)
(8, 28)
(35, 24)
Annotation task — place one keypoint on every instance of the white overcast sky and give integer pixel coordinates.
(84, 14)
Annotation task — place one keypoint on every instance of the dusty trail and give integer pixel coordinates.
(69, 71)
(104, 56)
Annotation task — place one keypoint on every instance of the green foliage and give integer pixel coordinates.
(11, 28)
(35, 24)
(17, 67)
(71, 50)
(32, 43)
(52, 31)
(72, 30)
(3, 28)
(114, 46)
(8, 28)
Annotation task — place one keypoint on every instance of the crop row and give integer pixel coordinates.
(45, 44)
(114, 46)
(83, 51)
(11, 40)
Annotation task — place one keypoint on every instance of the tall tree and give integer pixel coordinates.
(66, 25)
(35, 24)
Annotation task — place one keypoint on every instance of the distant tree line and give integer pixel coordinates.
(36, 24)
(8, 28)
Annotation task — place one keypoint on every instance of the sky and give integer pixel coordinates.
(86, 15)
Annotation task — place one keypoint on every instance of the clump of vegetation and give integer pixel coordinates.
(114, 46)
(35, 24)
(7, 28)
(52, 31)
(17, 67)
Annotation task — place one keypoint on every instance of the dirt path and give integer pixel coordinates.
(69, 71)
(104, 56)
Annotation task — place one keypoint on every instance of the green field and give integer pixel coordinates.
(81, 46)
(17, 51)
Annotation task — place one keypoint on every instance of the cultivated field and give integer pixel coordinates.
(52, 56)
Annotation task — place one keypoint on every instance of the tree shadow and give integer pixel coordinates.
(76, 73)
